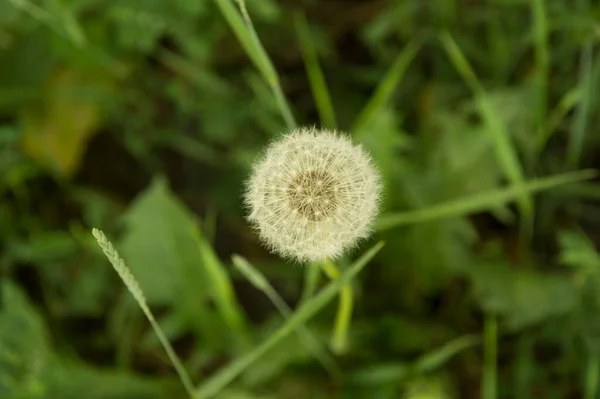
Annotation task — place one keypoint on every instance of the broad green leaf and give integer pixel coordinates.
(29, 369)
(152, 245)
(175, 265)
(578, 251)
(25, 358)
(522, 297)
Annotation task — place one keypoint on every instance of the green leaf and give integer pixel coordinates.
(578, 251)
(175, 265)
(24, 354)
(522, 297)
(152, 245)
(29, 369)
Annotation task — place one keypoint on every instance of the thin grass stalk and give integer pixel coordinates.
(134, 288)
(259, 281)
(490, 367)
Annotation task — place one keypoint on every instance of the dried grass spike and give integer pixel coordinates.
(132, 285)
(119, 265)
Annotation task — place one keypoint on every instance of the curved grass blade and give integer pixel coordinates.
(314, 72)
(490, 363)
(215, 384)
(540, 33)
(480, 202)
(388, 85)
(260, 282)
(580, 127)
(244, 30)
(505, 151)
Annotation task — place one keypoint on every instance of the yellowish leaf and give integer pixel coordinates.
(58, 128)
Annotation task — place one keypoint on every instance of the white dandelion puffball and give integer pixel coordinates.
(313, 194)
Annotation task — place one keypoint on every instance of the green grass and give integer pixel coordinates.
(245, 32)
(253, 275)
(479, 202)
(480, 117)
(314, 73)
(489, 381)
(504, 147)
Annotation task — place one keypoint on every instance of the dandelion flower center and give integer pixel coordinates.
(313, 194)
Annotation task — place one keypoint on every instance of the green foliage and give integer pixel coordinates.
(141, 117)
(175, 266)
(30, 369)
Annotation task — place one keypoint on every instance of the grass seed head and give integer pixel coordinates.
(312, 195)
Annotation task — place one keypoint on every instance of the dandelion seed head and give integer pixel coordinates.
(312, 195)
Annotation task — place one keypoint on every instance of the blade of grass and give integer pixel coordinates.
(384, 91)
(222, 289)
(69, 23)
(592, 373)
(257, 279)
(339, 340)
(216, 383)
(244, 30)
(36, 12)
(479, 202)
(210, 222)
(436, 358)
(66, 26)
(540, 34)
(524, 367)
(192, 148)
(384, 374)
(577, 140)
(585, 190)
(134, 288)
(202, 78)
(566, 104)
(490, 366)
(270, 74)
(505, 151)
(314, 72)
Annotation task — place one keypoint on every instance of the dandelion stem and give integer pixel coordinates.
(339, 340)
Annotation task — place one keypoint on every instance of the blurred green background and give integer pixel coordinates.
(142, 118)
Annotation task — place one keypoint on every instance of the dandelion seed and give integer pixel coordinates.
(312, 195)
